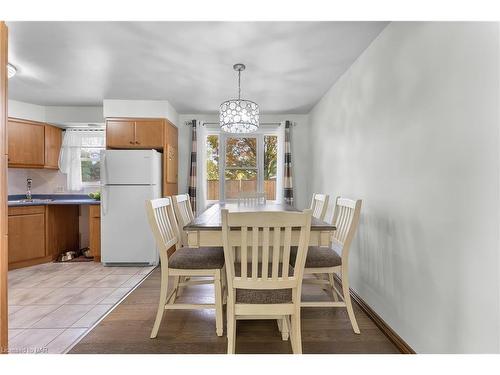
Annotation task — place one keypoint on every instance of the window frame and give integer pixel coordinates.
(263, 131)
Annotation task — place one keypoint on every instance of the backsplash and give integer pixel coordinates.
(45, 181)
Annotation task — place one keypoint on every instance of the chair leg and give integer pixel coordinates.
(295, 335)
(176, 290)
(224, 285)
(181, 279)
(283, 327)
(347, 300)
(332, 284)
(231, 329)
(219, 324)
(161, 303)
(285, 331)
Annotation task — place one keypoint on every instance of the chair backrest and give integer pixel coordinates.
(263, 240)
(345, 219)
(251, 198)
(163, 225)
(183, 213)
(319, 205)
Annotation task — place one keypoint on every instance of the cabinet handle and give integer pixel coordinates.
(137, 142)
(131, 142)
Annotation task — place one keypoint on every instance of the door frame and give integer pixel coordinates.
(3, 190)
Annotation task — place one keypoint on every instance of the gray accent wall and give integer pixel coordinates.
(412, 128)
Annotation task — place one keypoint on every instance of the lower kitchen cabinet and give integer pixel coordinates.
(26, 228)
(95, 232)
(38, 234)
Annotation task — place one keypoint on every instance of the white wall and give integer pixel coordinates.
(300, 151)
(412, 128)
(140, 108)
(69, 115)
(26, 111)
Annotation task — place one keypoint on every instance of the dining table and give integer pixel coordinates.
(206, 229)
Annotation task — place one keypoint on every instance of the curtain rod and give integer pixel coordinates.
(189, 123)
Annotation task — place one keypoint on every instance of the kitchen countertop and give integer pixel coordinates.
(56, 199)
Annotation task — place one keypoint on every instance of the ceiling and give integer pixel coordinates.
(290, 65)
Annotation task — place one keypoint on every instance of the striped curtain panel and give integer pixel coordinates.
(192, 172)
(288, 180)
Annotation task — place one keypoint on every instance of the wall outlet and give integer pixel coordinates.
(59, 189)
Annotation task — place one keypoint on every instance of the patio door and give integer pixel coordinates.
(241, 164)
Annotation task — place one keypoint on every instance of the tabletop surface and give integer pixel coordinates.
(210, 219)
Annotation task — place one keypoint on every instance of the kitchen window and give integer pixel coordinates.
(80, 157)
(91, 165)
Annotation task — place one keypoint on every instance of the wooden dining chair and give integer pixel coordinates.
(251, 198)
(183, 213)
(261, 282)
(334, 259)
(183, 263)
(319, 205)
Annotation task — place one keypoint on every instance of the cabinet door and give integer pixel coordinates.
(172, 163)
(26, 237)
(149, 134)
(95, 232)
(53, 140)
(26, 143)
(120, 134)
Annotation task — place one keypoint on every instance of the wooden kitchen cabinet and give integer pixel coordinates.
(95, 231)
(39, 234)
(134, 133)
(33, 144)
(53, 141)
(120, 134)
(26, 240)
(26, 143)
(170, 160)
(149, 133)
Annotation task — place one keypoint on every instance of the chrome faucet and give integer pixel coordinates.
(28, 188)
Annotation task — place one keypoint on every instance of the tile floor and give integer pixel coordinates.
(52, 305)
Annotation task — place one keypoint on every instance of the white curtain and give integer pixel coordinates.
(71, 150)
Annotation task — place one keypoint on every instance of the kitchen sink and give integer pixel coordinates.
(39, 200)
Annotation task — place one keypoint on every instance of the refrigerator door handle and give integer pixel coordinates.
(104, 174)
(104, 200)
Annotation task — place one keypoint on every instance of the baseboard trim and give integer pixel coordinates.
(402, 346)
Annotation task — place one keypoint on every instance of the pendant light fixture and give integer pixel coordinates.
(239, 115)
(11, 70)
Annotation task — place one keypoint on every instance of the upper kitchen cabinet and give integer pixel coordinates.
(149, 133)
(170, 160)
(26, 143)
(53, 141)
(134, 133)
(120, 133)
(33, 144)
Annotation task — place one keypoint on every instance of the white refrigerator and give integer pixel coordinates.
(128, 179)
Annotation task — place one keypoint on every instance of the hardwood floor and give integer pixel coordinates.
(126, 329)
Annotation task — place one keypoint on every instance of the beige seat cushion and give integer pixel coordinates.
(203, 258)
(262, 296)
(318, 257)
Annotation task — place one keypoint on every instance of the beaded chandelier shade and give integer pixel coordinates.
(239, 115)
